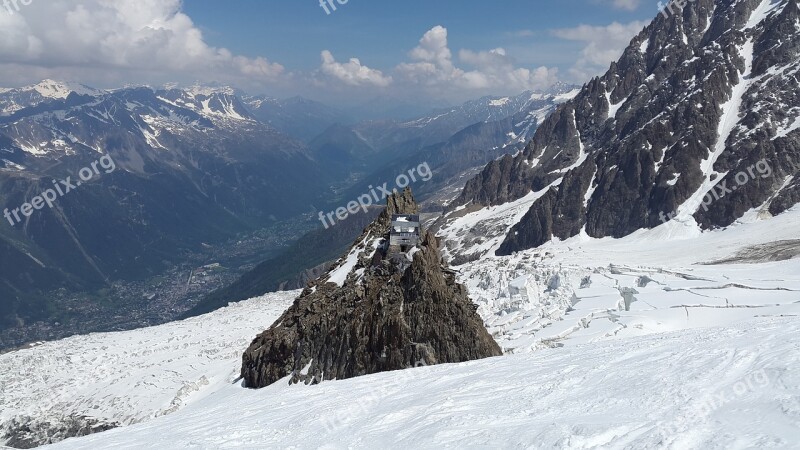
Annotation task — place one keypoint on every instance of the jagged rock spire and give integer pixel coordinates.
(371, 314)
(402, 203)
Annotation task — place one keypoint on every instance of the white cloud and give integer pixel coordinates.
(352, 73)
(629, 5)
(107, 43)
(122, 35)
(433, 60)
(491, 71)
(497, 69)
(604, 44)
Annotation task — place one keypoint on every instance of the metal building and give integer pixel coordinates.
(405, 230)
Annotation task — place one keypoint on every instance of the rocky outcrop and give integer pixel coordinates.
(27, 432)
(374, 311)
(301, 280)
(703, 102)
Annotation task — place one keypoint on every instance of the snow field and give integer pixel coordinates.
(715, 388)
(128, 377)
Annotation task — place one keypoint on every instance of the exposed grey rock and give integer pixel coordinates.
(639, 134)
(773, 251)
(25, 432)
(305, 277)
(386, 316)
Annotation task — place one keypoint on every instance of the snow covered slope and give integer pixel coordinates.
(723, 388)
(610, 342)
(13, 100)
(60, 89)
(669, 278)
(127, 377)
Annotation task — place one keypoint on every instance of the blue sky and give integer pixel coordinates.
(381, 32)
(414, 49)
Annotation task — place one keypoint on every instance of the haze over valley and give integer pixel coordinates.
(367, 225)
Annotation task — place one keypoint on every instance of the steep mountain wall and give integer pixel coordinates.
(698, 121)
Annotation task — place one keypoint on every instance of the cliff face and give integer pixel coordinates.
(374, 311)
(697, 120)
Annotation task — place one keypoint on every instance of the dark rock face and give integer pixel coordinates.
(557, 213)
(697, 99)
(393, 311)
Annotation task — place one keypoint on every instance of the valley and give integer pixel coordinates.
(200, 144)
(126, 305)
(573, 226)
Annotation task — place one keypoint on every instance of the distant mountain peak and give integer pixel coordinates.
(16, 99)
(561, 87)
(499, 102)
(211, 89)
(61, 89)
(203, 89)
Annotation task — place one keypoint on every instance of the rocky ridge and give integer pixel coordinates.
(703, 102)
(374, 311)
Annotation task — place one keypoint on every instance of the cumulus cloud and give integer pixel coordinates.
(111, 42)
(604, 44)
(352, 73)
(123, 35)
(489, 71)
(494, 68)
(433, 60)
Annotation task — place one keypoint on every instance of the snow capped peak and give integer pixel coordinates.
(567, 95)
(16, 99)
(206, 90)
(130, 86)
(211, 101)
(256, 102)
(500, 102)
(60, 90)
(201, 90)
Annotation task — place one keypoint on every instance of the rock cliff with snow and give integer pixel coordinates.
(376, 310)
(697, 122)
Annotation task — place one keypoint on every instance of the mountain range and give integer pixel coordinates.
(453, 161)
(695, 125)
(192, 167)
(628, 265)
(195, 168)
